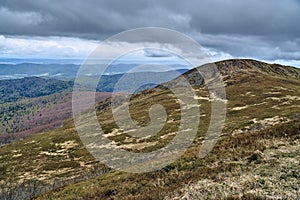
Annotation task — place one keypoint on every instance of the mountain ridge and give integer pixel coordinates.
(261, 131)
(231, 68)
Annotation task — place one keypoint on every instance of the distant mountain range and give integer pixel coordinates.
(34, 104)
(61, 71)
(29, 87)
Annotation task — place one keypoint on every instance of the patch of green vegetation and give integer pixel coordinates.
(16, 89)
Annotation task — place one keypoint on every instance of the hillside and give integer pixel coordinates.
(35, 115)
(236, 71)
(17, 89)
(256, 157)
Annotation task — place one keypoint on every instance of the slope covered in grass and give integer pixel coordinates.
(256, 156)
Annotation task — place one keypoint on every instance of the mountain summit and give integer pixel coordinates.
(233, 71)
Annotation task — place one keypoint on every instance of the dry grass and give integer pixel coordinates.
(256, 157)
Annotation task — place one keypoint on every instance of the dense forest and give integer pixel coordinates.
(17, 89)
(29, 116)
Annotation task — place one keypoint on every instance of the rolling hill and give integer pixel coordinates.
(35, 115)
(55, 69)
(17, 89)
(256, 157)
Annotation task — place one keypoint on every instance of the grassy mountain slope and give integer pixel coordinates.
(256, 157)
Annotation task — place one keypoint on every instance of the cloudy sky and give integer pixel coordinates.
(267, 30)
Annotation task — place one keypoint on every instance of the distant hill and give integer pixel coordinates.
(107, 82)
(16, 89)
(22, 70)
(256, 157)
(33, 104)
(61, 71)
(30, 116)
(29, 87)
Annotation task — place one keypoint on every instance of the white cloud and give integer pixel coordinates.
(294, 63)
(215, 48)
(45, 47)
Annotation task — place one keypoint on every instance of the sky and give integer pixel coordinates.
(266, 30)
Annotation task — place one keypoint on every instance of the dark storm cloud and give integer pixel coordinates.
(94, 18)
(89, 19)
(238, 27)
